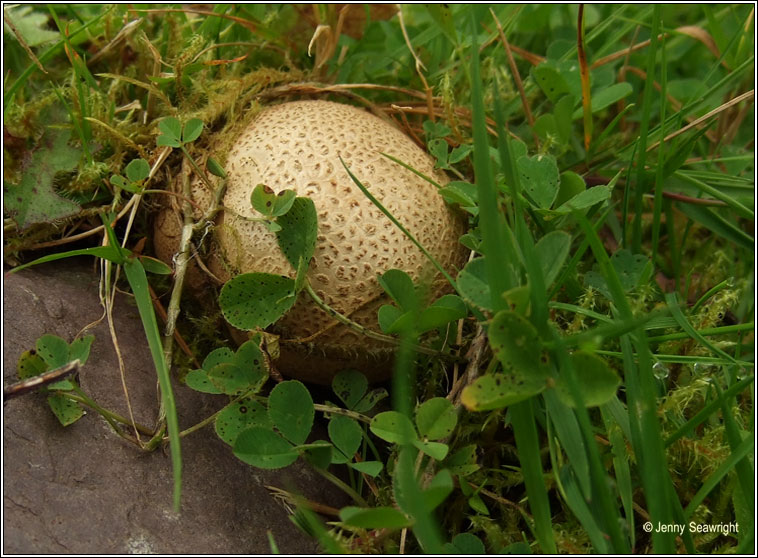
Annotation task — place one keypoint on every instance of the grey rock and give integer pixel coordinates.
(83, 489)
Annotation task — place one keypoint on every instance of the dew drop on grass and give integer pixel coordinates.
(661, 371)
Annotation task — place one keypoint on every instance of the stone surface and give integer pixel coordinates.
(83, 489)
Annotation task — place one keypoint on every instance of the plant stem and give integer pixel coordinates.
(198, 170)
(340, 411)
(81, 397)
(725, 330)
(342, 486)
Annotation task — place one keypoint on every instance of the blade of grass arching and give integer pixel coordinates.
(642, 402)
(676, 312)
(703, 414)
(571, 493)
(734, 186)
(743, 468)
(723, 330)
(711, 162)
(738, 208)
(718, 225)
(414, 171)
(137, 278)
(610, 330)
(579, 310)
(680, 359)
(104, 252)
(522, 414)
(658, 197)
(399, 225)
(615, 409)
(741, 452)
(647, 95)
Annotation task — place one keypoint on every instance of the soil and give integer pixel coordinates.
(82, 489)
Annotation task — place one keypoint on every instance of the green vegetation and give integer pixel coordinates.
(591, 377)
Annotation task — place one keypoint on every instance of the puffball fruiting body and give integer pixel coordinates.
(297, 146)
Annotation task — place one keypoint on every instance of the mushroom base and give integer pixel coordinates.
(315, 364)
(321, 366)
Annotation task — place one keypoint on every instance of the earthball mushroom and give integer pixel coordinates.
(297, 146)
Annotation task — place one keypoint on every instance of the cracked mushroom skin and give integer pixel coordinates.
(298, 145)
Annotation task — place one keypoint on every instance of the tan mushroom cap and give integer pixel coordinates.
(297, 146)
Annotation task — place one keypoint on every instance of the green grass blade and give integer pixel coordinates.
(623, 476)
(678, 359)
(311, 524)
(490, 219)
(746, 67)
(676, 312)
(528, 446)
(605, 512)
(137, 278)
(597, 142)
(744, 469)
(569, 434)
(680, 519)
(522, 414)
(576, 501)
(607, 331)
(106, 252)
(414, 171)
(738, 208)
(579, 310)
(658, 196)
(723, 330)
(425, 529)
(399, 225)
(641, 398)
(272, 543)
(718, 225)
(647, 95)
